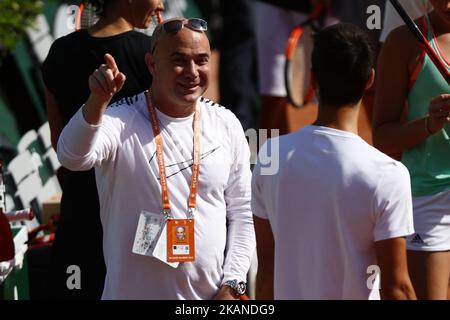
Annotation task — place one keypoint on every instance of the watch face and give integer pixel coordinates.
(241, 287)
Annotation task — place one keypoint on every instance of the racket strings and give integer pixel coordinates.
(298, 57)
(88, 17)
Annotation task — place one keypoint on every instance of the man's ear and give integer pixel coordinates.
(150, 62)
(371, 80)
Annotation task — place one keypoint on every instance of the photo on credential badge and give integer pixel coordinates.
(180, 233)
(180, 237)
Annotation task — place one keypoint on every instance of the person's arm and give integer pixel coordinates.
(265, 249)
(240, 231)
(77, 142)
(265, 244)
(390, 135)
(397, 60)
(395, 281)
(103, 83)
(226, 293)
(393, 218)
(54, 117)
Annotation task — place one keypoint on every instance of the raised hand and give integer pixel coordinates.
(106, 81)
(438, 113)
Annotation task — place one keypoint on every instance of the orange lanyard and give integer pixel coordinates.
(160, 159)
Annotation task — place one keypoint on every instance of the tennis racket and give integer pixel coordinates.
(86, 16)
(412, 26)
(298, 58)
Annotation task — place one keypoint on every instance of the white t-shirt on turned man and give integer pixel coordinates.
(333, 197)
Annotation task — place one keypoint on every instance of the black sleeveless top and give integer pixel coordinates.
(74, 57)
(66, 70)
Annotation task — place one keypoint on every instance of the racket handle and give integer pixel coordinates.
(20, 215)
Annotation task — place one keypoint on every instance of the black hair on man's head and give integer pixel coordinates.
(342, 61)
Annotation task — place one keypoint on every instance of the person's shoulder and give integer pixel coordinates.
(139, 35)
(139, 38)
(127, 108)
(218, 111)
(61, 50)
(371, 169)
(70, 39)
(392, 180)
(135, 42)
(394, 171)
(383, 165)
(68, 46)
(402, 39)
(288, 142)
(375, 155)
(300, 134)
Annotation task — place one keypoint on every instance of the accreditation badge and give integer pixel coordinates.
(180, 240)
(151, 237)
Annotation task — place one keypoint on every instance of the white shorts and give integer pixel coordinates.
(431, 223)
(273, 26)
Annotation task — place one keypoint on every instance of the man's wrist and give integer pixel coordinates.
(227, 290)
(238, 287)
(94, 109)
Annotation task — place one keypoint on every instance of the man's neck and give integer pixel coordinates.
(343, 118)
(170, 108)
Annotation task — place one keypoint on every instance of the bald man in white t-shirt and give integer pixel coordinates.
(164, 158)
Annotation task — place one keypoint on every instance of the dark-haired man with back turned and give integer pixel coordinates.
(338, 210)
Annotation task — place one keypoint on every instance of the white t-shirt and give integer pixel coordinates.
(332, 198)
(123, 153)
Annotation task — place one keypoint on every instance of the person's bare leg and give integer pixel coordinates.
(430, 272)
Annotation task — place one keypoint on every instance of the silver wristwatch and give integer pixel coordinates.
(238, 286)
